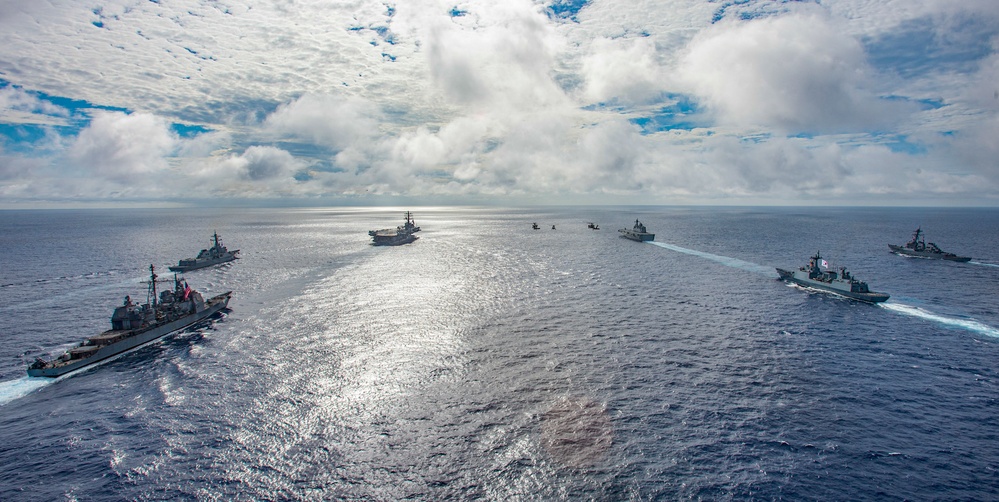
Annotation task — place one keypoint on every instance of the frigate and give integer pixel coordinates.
(207, 257)
(134, 325)
(918, 248)
(842, 283)
(638, 233)
(403, 234)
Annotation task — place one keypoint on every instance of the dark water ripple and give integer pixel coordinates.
(488, 360)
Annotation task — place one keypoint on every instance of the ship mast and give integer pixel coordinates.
(152, 284)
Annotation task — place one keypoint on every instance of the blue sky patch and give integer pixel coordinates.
(915, 49)
(566, 9)
(681, 114)
(188, 131)
(21, 138)
(756, 139)
(923, 104)
(747, 10)
(72, 105)
(900, 144)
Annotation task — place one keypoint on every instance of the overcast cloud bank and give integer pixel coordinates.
(851, 102)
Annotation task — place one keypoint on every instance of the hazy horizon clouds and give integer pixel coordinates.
(583, 102)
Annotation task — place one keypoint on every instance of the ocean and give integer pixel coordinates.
(488, 360)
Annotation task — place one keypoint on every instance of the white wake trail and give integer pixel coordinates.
(967, 324)
(901, 308)
(20, 387)
(724, 260)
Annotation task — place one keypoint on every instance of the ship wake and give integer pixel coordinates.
(951, 322)
(973, 262)
(20, 387)
(724, 260)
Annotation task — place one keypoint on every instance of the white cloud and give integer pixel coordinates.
(797, 72)
(333, 121)
(622, 70)
(17, 101)
(361, 98)
(261, 163)
(123, 147)
(502, 59)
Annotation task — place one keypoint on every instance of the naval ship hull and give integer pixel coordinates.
(899, 250)
(141, 337)
(187, 267)
(871, 297)
(393, 240)
(635, 236)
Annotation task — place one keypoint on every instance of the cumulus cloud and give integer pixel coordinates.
(796, 72)
(623, 71)
(503, 58)
(498, 98)
(13, 99)
(122, 146)
(16, 169)
(334, 121)
(257, 163)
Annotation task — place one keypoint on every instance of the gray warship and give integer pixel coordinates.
(842, 284)
(637, 233)
(403, 234)
(207, 257)
(133, 325)
(918, 248)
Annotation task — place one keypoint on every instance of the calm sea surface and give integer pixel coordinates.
(491, 361)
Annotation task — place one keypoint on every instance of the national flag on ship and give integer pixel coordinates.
(825, 264)
(187, 291)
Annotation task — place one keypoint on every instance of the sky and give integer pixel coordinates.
(358, 102)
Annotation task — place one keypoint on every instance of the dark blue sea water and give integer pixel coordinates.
(491, 361)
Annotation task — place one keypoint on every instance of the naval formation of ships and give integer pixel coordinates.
(134, 325)
(816, 275)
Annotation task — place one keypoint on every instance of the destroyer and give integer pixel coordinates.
(842, 284)
(207, 257)
(917, 247)
(638, 233)
(403, 234)
(133, 325)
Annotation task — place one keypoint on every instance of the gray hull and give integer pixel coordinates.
(899, 250)
(203, 263)
(140, 338)
(838, 287)
(394, 240)
(637, 236)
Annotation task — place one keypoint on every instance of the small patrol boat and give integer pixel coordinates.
(918, 248)
(638, 233)
(134, 325)
(843, 284)
(593, 226)
(535, 226)
(403, 234)
(207, 257)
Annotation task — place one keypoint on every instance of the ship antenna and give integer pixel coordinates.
(152, 283)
